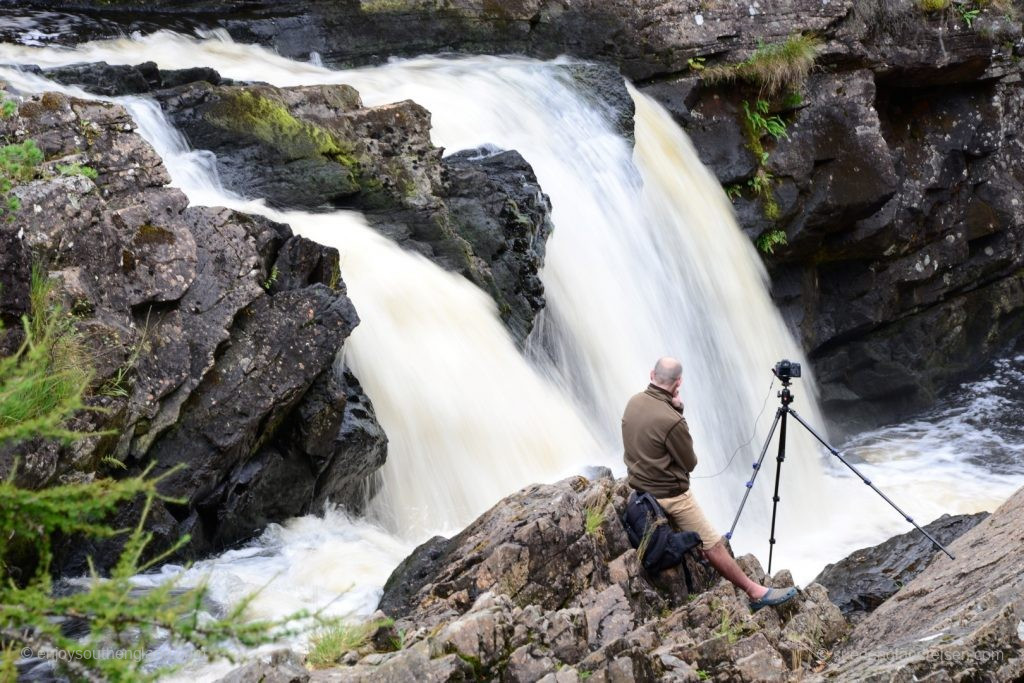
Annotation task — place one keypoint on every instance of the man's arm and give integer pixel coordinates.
(680, 445)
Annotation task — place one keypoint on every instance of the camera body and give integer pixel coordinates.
(786, 370)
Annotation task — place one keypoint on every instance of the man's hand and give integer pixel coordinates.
(677, 402)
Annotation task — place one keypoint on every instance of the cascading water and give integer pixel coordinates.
(645, 260)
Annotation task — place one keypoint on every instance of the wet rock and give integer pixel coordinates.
(214, 335)
(498, 207)
(957, 620)
(868, 577)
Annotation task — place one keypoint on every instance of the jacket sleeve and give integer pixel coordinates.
(680, 445)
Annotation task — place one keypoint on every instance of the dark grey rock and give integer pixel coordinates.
(868, 577)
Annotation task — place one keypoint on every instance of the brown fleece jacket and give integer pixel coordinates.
(658, 448)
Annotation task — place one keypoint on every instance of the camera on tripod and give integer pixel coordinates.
(786, 370)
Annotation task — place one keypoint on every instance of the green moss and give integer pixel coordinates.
(149, 234)
(249, 113)
(335, 278)
(374, 6)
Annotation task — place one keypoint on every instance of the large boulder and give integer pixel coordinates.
(214, 336)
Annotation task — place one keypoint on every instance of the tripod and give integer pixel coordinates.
(781, 415)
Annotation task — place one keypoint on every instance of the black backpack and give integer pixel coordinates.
(658, 544)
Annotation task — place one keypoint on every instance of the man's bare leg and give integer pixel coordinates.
(725, 565)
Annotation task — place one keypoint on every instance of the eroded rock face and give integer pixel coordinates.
(214, 334)
(527, 593)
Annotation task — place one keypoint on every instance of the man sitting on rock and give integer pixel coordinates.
(659, 458)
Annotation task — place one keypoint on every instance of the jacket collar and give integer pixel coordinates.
(657, 392)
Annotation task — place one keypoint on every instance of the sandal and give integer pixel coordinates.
(774, 596)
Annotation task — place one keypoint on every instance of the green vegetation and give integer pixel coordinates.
(8, 108)
(968, 13)
(932, 5)
(726, 627)
(328, 645)
(272, 279)
(769, 239)
(758, 124)
(594, 520)
(778, 70)
(772, 67)
(119, 385)
(77, 169)
(703, 675)
(645, 541)
(18, 164)
(42, 385)
(43, 382)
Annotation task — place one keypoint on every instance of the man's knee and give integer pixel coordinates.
(715, 547)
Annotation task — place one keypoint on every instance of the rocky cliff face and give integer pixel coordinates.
(214, 335)
(898, 189)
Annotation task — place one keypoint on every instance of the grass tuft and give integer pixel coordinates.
(328, 645)
(593, 520)
(773, 67)
(42, 384)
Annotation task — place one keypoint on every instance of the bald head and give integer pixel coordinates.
(666, 372)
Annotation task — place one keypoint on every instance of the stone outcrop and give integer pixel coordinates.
(545, 587)
(959, 619)
(868, 577)
(214, 335)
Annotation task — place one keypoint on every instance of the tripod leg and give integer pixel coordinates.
(757, 468)
(778, 473)
(866, 481)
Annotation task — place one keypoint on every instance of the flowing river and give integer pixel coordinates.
(646, 259)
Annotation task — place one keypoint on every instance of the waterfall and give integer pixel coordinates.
(646, 259)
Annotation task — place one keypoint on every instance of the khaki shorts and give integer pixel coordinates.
(686, 515)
